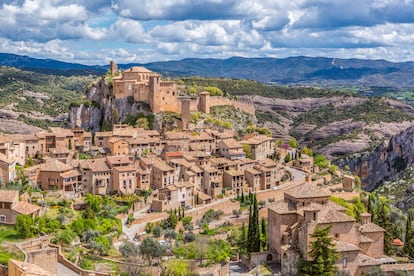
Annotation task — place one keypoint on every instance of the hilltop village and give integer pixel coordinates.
(189, 170)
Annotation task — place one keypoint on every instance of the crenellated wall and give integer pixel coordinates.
(243, 105)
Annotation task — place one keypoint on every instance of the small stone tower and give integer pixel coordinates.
(113, 67)
(154, 93)
(205, 102)
(185, 112)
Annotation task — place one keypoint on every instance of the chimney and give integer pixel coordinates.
(365, 218)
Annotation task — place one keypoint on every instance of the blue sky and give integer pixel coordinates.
(96, 31)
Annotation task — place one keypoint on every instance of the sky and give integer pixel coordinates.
(140, 31)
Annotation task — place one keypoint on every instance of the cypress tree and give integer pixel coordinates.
(243, 238)
(255, 226)
(249, 231)
(264, 234)
(409, 236)
(242, 197)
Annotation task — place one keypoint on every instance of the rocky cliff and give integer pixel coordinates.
(100, 108)
(385, 163)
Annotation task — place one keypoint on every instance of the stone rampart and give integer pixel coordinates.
(243, 105)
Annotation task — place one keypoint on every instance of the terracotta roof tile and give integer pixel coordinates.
(306, 190)
(55, 165)
(342, 246)
(25, 208)
(371, 228)
(365, 260)
(9, 196)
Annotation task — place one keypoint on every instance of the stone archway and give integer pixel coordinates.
(269, 258)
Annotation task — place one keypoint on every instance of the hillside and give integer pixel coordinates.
(293, 70)
(30, 101)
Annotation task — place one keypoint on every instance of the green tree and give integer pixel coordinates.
(287, 158)
(129, 249)
(263, 234)
(94, 202)
(409, 235)
(214, 91)
(253, 239)
(151, 249)
(322, 253)
(177, 267)
(321, 161)
(142, 123)
(293, 143)
(307, 151)
(24, 226)
(248, 150)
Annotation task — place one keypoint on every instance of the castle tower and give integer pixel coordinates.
(205, 102)
(113, 67)
(154, 93)
(185, 112)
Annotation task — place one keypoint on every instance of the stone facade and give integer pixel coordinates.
(305, 208)
(143, 85)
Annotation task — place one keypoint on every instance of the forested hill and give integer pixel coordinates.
(292, 70)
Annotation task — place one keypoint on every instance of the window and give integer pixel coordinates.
(2, 218)
(344, 262)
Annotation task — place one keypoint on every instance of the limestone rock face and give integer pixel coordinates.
(103, 108)
(385, 162)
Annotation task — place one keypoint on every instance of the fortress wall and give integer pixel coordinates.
(245, 106)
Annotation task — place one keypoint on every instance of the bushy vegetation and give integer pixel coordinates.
(374, 110)
(31, 92)
(250, 87)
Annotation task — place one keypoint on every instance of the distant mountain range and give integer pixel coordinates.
(292, 70)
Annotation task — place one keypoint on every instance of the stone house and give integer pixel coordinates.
(262, 146)
(96, 176)
(143, 178)
(14, 147)
(202, 141)
(11, 207)
(146, 145)
(54, 175)
(305, 207)
(59, 138)
(82, 140)
(7, 169)
(176, 141)
(102, 138)
(212, 185)
(305, 163)
(124, 179)
(162, 174)
(32, 145)
(118, 146)
(178, 195)
(234, 180)
(253, 179)
(271, 173)
(231, 149)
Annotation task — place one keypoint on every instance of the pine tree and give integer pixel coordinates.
(322, 253)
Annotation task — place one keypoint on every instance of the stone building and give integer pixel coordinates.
(146, 86)
(305, 207)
